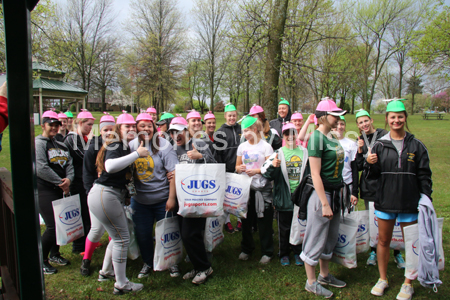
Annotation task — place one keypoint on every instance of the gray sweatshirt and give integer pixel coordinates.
(53, 161)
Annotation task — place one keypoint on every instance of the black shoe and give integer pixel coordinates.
(48, 268)
(85, 265)
(59, 260)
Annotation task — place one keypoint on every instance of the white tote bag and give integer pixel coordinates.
(200, 189)
(397, 242)
(214, 236)
(68, 221)
(237, 192)
(298, 228)
(412, 246)
(344, 252)
(169, 247)
(360, 219)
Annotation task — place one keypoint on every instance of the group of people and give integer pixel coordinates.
(133, 163)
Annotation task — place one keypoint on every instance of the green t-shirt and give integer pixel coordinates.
(294, 165)
(332, 155)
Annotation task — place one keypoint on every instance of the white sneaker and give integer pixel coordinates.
(378, 289)
(190, 274)
(243, 256)
(201, 277)
(406, 292)
(127, 288)
(265, 259)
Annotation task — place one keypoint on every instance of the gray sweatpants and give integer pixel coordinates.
(106, 204)
(321, 233)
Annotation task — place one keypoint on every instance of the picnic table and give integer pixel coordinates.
(430, 116)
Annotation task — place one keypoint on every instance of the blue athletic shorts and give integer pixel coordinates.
(401, 217)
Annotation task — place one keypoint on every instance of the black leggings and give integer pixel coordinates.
(46, 196)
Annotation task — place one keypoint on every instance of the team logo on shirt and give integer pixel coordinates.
(294, 166)
(411, 157)
(144, 168)
(340, 157)
(58, 156)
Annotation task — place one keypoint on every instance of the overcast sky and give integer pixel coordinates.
(122, 7)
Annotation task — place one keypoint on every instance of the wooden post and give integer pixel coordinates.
(23, 176)
(41, 108)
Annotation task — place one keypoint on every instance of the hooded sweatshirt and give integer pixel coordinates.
(227, 142)
(90, 173)
(277, 124)
(53, 162)
(400, 177)
(77, 146)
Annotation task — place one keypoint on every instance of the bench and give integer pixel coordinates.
(431, 116)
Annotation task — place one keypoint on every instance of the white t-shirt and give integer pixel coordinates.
(253, 157)
(350, 149)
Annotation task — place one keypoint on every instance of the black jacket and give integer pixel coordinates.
(90, 173)
(77, 147)
(401, 178)
(228, 139)
(277, 124)
(367, 186)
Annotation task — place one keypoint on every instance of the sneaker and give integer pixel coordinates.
(318, 290)
(243, 256)
(265, 259)
(378, 289)
(59, 260)
(399, 261)
(48, 268)
(145, 271)
(372, 260)
(190, 274)
(201, 276)
(285, 261)
(298, 260)
(102, 276)
(239, 226)
(128, 288)
(174, 271)
(331, 281)
(406, 292)
(229, 228)
(85, 267)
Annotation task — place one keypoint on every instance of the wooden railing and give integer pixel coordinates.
(8, 254)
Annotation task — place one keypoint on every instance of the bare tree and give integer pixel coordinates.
(212, 23)
(158, 32)
(83, 29)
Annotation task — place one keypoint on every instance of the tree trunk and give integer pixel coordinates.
(400, 80)
(273, 57)
(211, 82)
(103, 99)
(412, 103)
(247, 88)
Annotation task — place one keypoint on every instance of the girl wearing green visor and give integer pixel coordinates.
(401, 165)
(368, 187)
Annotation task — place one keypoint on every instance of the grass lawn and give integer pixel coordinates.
(234, 279)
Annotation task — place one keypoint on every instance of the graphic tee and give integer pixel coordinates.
(151, 181)
(294, 164)
(350, 150)
(253, 157)
(332, 155)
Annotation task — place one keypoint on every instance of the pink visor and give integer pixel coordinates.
(209, 115)
(85, 114)
(144, 117)
(62, 116)
(125, 118)
(256, 109)
(297, 116)
(50, 114)
(193, 115)
(288, 126)
(329, 106)
(107, 118)
(151, 110)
